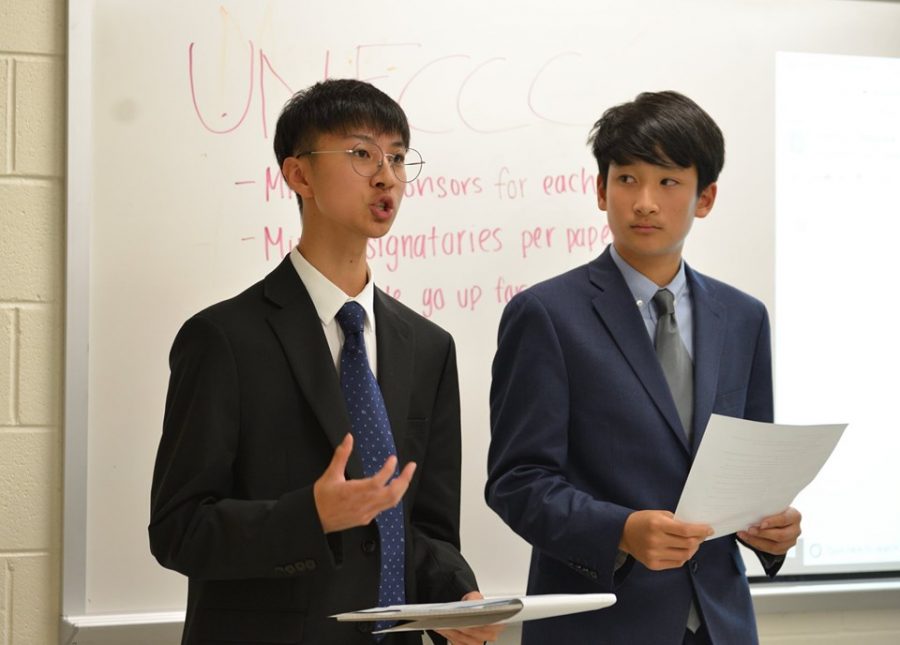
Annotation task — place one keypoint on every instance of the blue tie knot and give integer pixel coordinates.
(351, 318)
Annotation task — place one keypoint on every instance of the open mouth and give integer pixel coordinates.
(384, 206)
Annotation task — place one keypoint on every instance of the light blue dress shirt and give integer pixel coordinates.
(643, 289)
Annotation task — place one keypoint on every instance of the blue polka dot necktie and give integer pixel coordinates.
(374, 443)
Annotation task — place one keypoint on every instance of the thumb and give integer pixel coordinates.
(338, 464)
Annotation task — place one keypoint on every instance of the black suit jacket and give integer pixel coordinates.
(253, 414)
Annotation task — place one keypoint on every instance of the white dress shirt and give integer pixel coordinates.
(328, 298)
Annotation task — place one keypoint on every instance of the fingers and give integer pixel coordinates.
(668, 558)
(773, 547)
(785, 519)
(472, 635)
(379, 492)
(775, 534)
(344, 504)
(338, 464)
(664, 521)
(386, 471)
(684, 529)
(397, 486)
(659, 541)
(775, 541)
(404, 479)
(690, 531)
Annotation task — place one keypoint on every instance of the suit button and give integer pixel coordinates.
(368, 546)
(310, 565)
(694, 566)
(300, 566)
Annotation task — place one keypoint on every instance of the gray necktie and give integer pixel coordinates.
(674, 358)
(679, 371)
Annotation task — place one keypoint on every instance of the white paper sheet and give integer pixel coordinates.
(746, 470)
(469, 613)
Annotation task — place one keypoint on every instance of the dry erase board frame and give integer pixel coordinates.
(564, 77)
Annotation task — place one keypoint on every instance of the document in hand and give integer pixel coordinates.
(747, 470)
(469, 613)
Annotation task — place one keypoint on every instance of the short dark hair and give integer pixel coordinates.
(661, 128)
(335, 106)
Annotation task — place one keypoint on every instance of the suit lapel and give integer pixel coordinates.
(299, 330)
(616, 308)
(709, 337)
(395, 367)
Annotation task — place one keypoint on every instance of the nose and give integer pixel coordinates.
(384, 176)
(645, 202)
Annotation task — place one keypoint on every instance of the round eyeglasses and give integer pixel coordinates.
(366, 158)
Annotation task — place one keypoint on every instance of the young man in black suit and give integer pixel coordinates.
(266, 494)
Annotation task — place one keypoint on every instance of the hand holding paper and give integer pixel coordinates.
(659, 541)
(776, 534)
(477, 634)
(746, 471)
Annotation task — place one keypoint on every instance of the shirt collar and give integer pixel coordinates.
(327, 297)
(643, 288)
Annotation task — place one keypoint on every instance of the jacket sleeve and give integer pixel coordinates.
(760, 400)
(527, 484)
(197, 525)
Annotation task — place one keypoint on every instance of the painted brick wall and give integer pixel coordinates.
(32, 226)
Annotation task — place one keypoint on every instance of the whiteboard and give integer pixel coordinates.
(176, 201)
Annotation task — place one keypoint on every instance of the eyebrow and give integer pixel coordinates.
(397, 143)
(671, 166)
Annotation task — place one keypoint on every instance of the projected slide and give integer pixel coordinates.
(837, 299)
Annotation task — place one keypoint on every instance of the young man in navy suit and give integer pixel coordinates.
(263, 494)
(594, 430)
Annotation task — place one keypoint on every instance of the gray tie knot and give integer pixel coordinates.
(664, 302)
(351, 318)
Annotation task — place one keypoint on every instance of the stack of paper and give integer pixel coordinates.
(470, 613)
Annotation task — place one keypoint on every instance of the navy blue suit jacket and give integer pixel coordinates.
(585, 431)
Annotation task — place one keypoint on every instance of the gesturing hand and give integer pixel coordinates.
(344, 504)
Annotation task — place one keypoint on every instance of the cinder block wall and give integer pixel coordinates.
(32, 252)
(32, 296)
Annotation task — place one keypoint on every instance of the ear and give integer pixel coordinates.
(297, 175)
(706, 200)
(601, 193)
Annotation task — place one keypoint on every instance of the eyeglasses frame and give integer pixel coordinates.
(384, 155)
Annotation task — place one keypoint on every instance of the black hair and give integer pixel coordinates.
(661, 128)
(335, 106)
